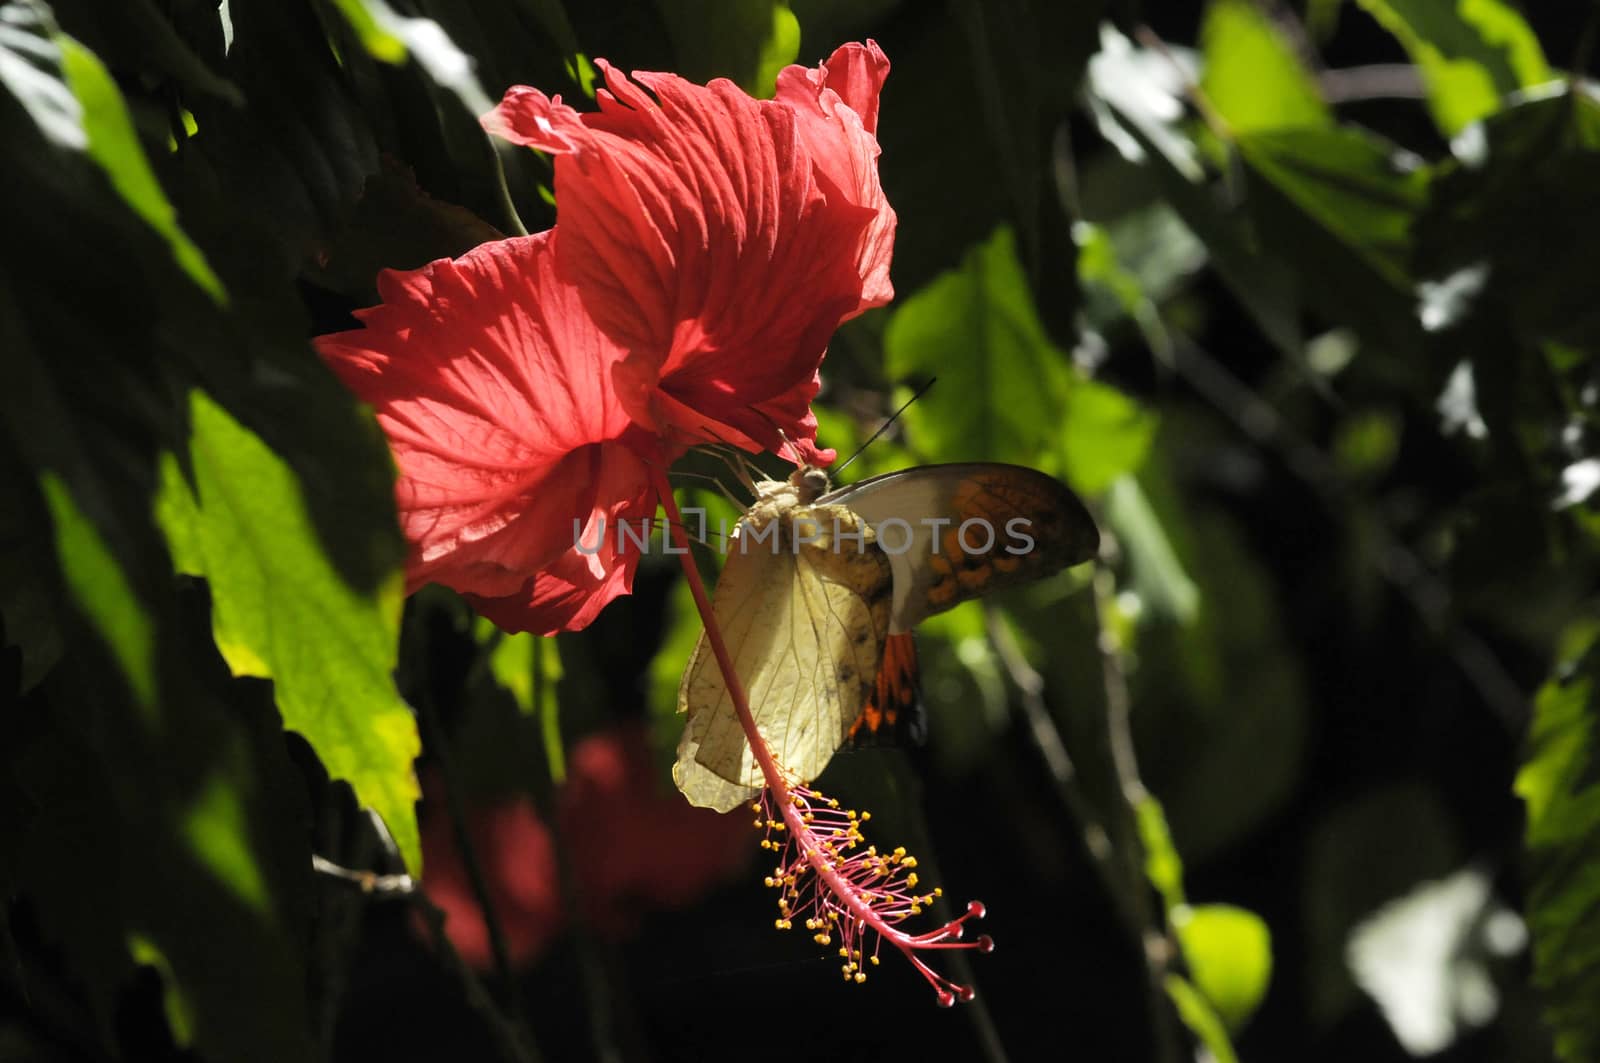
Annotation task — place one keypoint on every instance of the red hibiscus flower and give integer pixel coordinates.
(632, 844)
(706, 247)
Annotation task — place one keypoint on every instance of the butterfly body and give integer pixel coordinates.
(818, 583)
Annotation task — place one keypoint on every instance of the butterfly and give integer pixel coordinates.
(821, 589)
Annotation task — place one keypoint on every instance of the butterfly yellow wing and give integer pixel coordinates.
(804, 623)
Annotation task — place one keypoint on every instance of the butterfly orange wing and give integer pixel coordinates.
(893, 709)
(1039, 527)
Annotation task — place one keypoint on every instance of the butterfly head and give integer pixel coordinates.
(810, 483)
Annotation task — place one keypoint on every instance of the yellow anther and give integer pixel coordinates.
(938, 891)
(911, 880)
(910, 861)
(874, 960)
(916, 909)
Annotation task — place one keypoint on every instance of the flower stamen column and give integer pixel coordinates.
(824, 875)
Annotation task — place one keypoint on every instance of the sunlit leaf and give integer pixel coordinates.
(1560, 784)
(1229, 954)
(1472, 54)
(281, 610)
(1252, 76)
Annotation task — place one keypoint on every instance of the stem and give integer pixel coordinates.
(1155, 944)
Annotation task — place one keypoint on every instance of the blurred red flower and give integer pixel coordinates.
(633, 845)
(707, 246)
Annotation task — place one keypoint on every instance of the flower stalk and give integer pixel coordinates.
(824, 875)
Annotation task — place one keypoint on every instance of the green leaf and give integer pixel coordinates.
(1560, 784)
(1229, 953)
(748, 41)
(282, 611)
(1337, 207)
(1201, 1019)
(1472, 53)
(1003, 384)
(1252, 77)
(113, 144)
(1349, 185)
(1105, 436)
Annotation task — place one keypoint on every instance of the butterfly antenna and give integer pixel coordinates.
(715, 481)
(736, 462)
(923, 390)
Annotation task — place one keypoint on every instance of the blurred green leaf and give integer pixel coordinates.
(282, 611)
(371, 19)
(1252, 76)
(1105, 436)
(1201, 1019)
(1229, 954)
(1560, 784)
(1472, 53)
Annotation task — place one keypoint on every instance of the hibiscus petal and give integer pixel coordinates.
(838, 108)
(599, 565)
(490, 381)
(719, 239)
